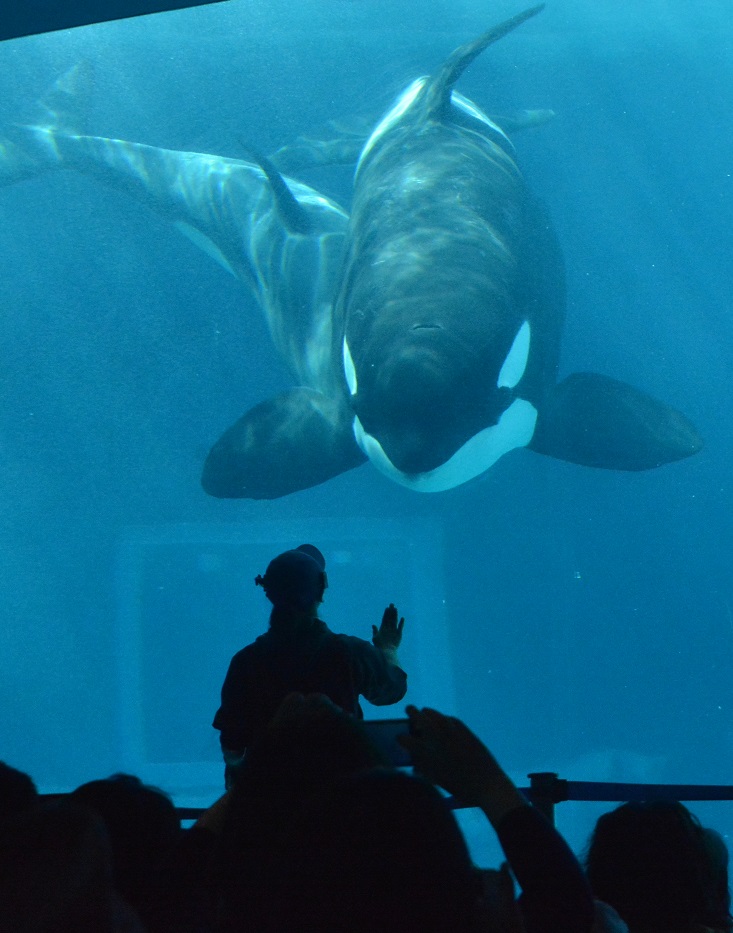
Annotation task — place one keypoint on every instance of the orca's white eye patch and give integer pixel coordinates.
(349, 369)
(516, 360)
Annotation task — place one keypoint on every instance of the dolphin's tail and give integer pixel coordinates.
(29, 149)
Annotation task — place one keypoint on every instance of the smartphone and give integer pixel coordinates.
(383, 733)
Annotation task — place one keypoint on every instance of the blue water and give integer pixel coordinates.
(580, 621)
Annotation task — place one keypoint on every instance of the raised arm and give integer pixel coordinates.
(388, 637)
(555, 897)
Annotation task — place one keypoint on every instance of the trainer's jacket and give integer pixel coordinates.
(308, 659)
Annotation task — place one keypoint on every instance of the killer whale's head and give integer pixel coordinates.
(434, 379)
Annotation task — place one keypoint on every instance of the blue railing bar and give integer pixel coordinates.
(553, 790)
(611, 791)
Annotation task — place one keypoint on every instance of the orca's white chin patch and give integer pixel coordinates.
(514, 429)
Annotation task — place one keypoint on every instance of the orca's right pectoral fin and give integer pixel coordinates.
(291, 442)
(597, 421)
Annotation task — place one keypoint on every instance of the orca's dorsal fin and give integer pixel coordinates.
(292, 213)
(435, 103)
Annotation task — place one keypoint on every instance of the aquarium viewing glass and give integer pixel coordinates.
(580, 620)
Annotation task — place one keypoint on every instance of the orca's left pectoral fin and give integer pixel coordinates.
(597, 421)
(291, 442)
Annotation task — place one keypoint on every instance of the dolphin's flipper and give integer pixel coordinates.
(291, 442)
(597, 421)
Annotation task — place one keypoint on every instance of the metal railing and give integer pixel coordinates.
(546, 790)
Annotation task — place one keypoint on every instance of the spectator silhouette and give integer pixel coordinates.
(144, 833)
(309, 742)
(378, 852)
(299, 653)
(555, 894)
(659, 869)
(56, 874)
(17, 791)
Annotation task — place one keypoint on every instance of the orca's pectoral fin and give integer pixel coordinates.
(597, 421)
(291, 442)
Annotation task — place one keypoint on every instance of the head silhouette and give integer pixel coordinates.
(295, 580)
(652, 863)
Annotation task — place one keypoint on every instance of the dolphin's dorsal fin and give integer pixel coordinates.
(436, 95)
(291, 212)
(65, 106)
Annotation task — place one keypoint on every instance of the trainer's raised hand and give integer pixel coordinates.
(389, 634)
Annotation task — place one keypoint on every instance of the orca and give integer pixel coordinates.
(422, 330)
(452, 299)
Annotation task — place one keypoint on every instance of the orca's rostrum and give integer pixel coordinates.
(423, 331)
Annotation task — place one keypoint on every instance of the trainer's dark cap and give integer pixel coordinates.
(312, 551)
(295, 578)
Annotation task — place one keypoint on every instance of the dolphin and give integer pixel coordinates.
(423, 331)
(281, 239)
